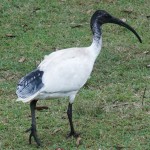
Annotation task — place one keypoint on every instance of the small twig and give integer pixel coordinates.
(41, 107)
(115, 105)
(143, 96)
(77, 26)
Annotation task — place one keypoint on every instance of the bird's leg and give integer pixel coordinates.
(72, 131)
(33, 125)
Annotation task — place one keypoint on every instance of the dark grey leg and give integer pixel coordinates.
(72, 131)
(33, 125)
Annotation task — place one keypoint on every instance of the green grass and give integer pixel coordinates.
(108, 111)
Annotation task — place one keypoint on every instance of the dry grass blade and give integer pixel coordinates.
(10, 35)
(77, 26)
(78, 142)
(22, 59)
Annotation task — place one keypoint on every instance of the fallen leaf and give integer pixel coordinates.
(10, 35)
(36, 9)
(129, 11)
(22, 59)
(78, 142)
(89, 11)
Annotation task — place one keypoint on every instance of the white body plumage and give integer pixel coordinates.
(65, 72)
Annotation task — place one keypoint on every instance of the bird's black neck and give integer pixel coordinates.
(96, 29)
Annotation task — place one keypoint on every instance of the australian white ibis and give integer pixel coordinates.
(64, 72)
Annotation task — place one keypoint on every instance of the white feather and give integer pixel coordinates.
(66, 71)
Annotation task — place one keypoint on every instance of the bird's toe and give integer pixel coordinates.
(33, 134)
(74, 134)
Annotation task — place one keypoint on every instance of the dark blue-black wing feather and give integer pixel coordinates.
(30, 84)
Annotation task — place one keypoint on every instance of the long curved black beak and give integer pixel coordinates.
(121, 23)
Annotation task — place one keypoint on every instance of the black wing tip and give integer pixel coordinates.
(30, 84)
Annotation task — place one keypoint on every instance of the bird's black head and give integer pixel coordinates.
(101, 17)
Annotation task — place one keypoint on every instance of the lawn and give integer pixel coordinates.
(112, 111)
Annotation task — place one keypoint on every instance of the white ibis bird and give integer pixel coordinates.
(63, 73)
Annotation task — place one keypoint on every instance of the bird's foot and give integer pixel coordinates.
(33, 133)
(74, 134)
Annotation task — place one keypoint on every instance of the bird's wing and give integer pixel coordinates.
(65, 71)
(30, 84)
